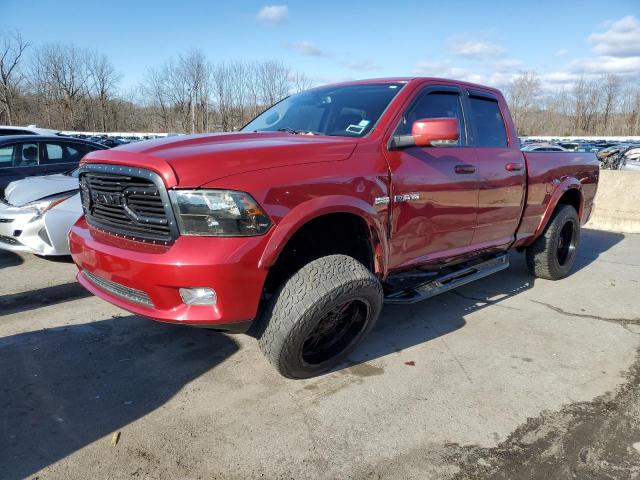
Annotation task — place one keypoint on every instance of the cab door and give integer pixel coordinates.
(434, 190)
(500, 169)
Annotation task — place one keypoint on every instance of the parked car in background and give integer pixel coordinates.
(111, 142)
(625, 156)
(542, 147)
(38, 212)
(569, 146)
(31, 155)
(588, 147)
(31, 130)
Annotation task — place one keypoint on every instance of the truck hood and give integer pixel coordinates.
(195, 160)
(30, 189)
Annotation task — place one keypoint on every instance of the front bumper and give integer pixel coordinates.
(145, 278)
(47, 235)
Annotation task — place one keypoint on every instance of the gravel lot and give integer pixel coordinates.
(510, 377)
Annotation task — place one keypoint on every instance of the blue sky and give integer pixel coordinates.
(484, 41)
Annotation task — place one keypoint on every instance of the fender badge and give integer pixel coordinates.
(406, 197)
(381, 201)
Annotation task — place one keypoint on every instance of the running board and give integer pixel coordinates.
(448, 282)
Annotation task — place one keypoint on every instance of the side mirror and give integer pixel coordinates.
(426, 131)
(429, 130)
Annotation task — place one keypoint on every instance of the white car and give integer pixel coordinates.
(38, 212)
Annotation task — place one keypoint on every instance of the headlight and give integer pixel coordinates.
(222, 213)
(45, 204)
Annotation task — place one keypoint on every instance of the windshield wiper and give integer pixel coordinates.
(298, 132)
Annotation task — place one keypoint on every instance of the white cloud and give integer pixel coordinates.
(440, 69)
(474, 49)
(508, 65)
(306, 48)
(490, 75)
(605, 65)
(361, 65)
(561, 52)
(621, 40)
(273, 14)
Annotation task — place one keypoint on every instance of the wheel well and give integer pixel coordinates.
(571, 197)
(334, 233)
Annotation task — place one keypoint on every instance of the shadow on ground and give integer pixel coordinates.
(593, 243)
(66, 387)
(9, 259)
(57, 258)
(401, 327)
(41, 297)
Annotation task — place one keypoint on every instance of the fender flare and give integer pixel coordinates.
(303, 213)
(562, 187)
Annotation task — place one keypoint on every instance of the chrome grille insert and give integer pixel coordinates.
(127, 201)
(119, 290)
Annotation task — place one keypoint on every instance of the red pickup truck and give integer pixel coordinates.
(330, 203)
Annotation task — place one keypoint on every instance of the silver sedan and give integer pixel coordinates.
(38, 212)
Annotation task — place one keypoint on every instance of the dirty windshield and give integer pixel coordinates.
(347, 111)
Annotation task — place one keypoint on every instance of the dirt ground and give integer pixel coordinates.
(508, 378)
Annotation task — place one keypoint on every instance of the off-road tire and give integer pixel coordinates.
(542, 255)
(304, 300)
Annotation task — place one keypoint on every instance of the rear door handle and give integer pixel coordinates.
(514, 167)
(465, 169)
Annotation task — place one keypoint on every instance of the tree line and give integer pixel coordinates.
(606, 105)
(64, 87)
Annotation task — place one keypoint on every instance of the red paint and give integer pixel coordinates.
(429, 130)
(469, 201)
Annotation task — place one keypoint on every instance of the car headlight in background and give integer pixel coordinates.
(45, 204)
(223, 213)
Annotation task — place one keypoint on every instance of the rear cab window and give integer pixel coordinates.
(488, 123)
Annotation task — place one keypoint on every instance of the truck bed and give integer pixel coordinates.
(549, 175)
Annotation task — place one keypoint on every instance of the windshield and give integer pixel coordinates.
(346, 111)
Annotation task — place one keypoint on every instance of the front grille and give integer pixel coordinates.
(127, 201)
(9, 240)
(126, 293)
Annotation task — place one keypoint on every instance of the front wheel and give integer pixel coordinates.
(320, 315)
(553, 254)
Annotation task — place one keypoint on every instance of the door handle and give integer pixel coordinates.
(465, 169)
(514, 167)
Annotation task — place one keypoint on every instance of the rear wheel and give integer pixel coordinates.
(320, 315)
(553, 254)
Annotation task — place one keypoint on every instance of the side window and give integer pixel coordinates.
(488, 122)
(26, 155)
(54, 153)
(64, 153)
(6, 156)
(433, 105)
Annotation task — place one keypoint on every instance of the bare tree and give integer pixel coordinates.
(611, 90)
(273, 81)
(13, 48)
(300, 82)
(104, 82)
(523, 93)
(63, 71)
